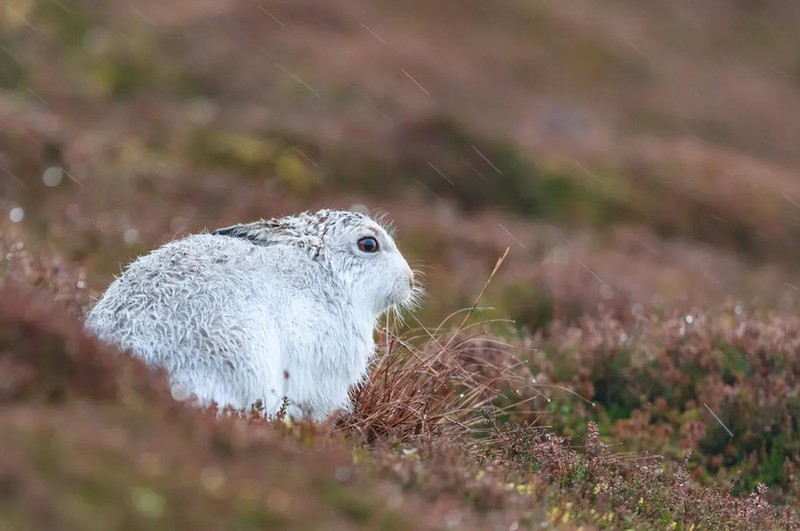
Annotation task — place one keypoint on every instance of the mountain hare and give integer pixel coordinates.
(279, 308)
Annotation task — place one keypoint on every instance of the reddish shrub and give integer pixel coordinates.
(45, 356)
(723, 384)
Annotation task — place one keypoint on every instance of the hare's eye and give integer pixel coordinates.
(368, 244)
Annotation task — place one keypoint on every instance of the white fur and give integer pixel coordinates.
(272, 309)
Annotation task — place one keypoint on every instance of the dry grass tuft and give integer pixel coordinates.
(435, 384)
(437, 389)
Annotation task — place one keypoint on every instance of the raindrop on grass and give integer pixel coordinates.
(148, 502)
(179, 392)
(212, 479)
(452, 518)
(52, 176)
(131, 236)
(16, 214)
(607, 292)
(343, 473)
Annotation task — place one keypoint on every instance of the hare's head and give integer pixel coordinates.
(358, 250)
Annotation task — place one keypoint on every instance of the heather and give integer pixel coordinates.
(601, 197)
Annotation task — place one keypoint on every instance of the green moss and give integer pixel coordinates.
(258, 517)
(248, 154)
(68, 24)
(525, 304)
(349, 503)
(13, 71)
(274, 156)
(442, 156)
(734, 364)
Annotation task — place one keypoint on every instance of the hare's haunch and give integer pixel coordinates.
(261, 311)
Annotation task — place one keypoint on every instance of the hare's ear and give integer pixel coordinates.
(260, 232)
(274, 232)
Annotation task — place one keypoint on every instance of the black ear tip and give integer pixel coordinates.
(237, 231)
(227, 231)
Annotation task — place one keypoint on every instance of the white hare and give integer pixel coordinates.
(280, 308)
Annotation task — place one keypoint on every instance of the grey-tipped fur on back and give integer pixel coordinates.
(259, 311)
(305, 230)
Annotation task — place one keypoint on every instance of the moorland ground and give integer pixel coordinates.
(633, 361)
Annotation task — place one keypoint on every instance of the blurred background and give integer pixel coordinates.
(638, 159)
(632, 156)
